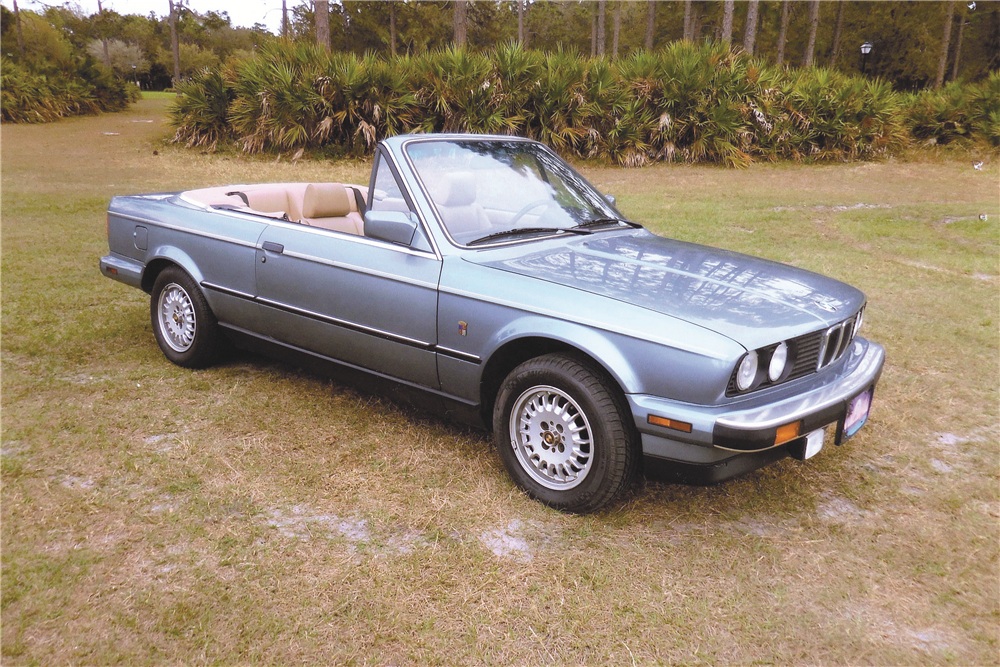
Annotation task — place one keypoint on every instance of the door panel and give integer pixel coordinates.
(357, 300)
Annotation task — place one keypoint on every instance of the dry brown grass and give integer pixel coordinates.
(253, 513)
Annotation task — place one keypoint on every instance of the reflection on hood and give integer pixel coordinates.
(736, 295)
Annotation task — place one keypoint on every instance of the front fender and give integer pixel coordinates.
(595, 343)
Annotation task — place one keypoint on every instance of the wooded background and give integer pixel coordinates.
(914, 44)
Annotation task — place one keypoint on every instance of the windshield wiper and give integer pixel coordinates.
(597, 222)
(528, 230)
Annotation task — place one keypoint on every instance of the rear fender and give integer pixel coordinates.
(162, 256)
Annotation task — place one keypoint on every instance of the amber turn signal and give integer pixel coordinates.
(787, 432)
(669, 423)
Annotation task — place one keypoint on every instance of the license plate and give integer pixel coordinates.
(857, 413)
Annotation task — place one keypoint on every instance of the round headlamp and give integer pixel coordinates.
(778, 360)
(747, 372)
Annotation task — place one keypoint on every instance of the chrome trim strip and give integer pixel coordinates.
(227, 290)
(461, 356)
(796, 408)
(358, 269)
(344, 323)
(363, 240)
(189, 230)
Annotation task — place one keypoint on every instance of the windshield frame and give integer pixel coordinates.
(609, 209)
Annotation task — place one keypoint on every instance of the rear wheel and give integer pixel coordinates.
(564, 433)
(185, 327)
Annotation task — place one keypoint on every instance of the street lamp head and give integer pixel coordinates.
(866, 48)
(972, 6)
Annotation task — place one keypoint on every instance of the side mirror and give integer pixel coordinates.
(610, 199)
(392, 226)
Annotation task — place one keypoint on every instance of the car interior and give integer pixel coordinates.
(333, 206)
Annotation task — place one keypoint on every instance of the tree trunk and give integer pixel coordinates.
(104, 40)
(520, 22)
(174, 47)
(688, 36)
(593, 35)
(322, 19)
(650, 23)
(618, 27)
(20, 35)
(786, 15)
(945, 43)
(600, 27)
(460, 22)
(727, 20)
(392, 27)
(837, 32)
(958, 44)
(750, 33)
(807, 57)
(284, 19)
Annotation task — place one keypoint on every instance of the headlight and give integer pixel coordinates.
(857, 322)
(747, 372)
(778, 360)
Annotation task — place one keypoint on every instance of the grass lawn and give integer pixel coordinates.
(253, 513)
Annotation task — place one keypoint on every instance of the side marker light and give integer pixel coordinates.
(787, 433)
(669, 423)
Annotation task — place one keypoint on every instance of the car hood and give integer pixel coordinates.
(754, 301)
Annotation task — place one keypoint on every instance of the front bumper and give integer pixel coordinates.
(740, 436)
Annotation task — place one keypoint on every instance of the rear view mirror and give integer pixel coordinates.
(392, 226)
(610, 199)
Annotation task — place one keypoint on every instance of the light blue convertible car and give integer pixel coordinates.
(484, 278)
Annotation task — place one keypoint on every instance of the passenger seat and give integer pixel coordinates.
(328, 206)
(456, 202)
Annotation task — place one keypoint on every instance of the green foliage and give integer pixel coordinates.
(28, 96)
(690, 102)
(957, 111)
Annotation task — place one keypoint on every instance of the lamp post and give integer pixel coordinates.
(866, 48)
(134, 76)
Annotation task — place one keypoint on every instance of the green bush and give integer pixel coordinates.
(27, 96)
(957, 111)
(691, 102)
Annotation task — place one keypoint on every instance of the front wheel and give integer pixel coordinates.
(185, 327)
(564, 433)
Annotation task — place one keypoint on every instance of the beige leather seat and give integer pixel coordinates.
(456, 202)
(331, 206)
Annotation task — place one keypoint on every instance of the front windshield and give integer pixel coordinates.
(494, 191)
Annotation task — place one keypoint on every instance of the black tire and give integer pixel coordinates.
(563, 400)
(185, 327)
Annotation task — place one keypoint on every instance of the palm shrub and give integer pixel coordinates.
(834, 116)
(29, 96)
(984, 103)
(516, 71)
(276, 103)
(559, 106)
(699, 95)
(939, 116)
(455, 88)
(693, 102)
(200, 112)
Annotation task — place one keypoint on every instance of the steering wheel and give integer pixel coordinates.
(529, 207)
